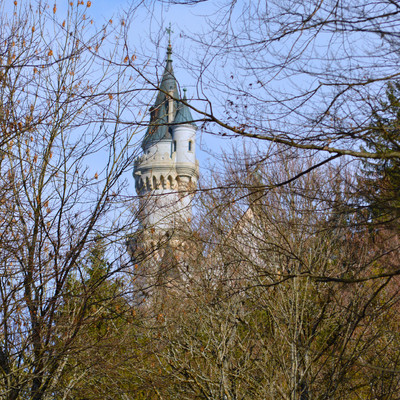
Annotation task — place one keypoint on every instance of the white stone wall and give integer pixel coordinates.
(183, 135)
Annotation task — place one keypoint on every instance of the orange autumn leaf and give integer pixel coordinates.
(96, 175)
(54, 8)
(50, 53)
(88, 4)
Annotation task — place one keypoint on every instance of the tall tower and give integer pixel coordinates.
(166, 173)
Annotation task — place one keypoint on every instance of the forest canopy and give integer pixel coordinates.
(285, 285)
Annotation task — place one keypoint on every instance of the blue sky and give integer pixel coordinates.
(148, 35)
(148, 38)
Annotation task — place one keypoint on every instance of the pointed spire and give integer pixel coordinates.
(164, 109)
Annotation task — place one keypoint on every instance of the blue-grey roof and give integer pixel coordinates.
(159, 129)
(183, 114)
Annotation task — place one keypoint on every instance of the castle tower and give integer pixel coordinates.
(166, 173)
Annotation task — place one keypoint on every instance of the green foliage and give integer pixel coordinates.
(99, 299)
(382, 176)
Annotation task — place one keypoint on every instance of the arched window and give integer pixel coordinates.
(174, 145)
(170, 184)
(190, 145)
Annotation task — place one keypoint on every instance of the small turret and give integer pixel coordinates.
(184, 135)
(167, 172)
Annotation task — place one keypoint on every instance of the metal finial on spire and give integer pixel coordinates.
(169, 31)
(184, 94)
(169, 49)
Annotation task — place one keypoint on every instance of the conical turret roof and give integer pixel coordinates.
(183, 114)
(159, 127)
